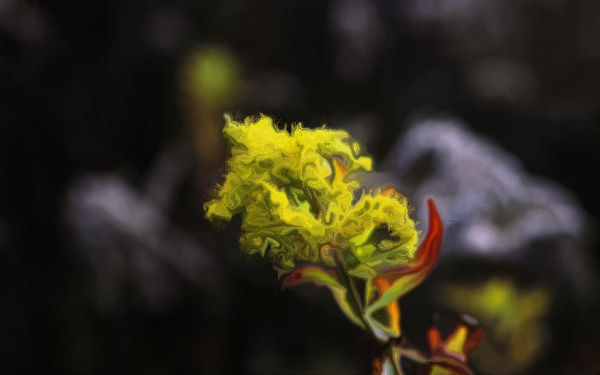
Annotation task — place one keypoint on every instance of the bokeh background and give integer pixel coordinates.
(110, 118)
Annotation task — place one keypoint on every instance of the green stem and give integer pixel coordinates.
(354, 296)
(397, 350)
(394, 350)
(395, 356)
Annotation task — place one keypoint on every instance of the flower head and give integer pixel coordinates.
(298, 197)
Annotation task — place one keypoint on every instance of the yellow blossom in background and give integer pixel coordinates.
(210, 82)
(514, 318)
(211, 74)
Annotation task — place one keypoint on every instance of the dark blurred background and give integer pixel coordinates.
(110, 118)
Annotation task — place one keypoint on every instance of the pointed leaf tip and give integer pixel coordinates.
(405, 278)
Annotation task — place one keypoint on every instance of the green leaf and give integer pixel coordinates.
(321, 277)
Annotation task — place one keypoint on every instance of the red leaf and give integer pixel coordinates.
(428, 250)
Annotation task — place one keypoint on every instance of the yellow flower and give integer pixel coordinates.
(297, 194)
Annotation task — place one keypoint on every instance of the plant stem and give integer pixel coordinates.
(354, 296)
(395, 356)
